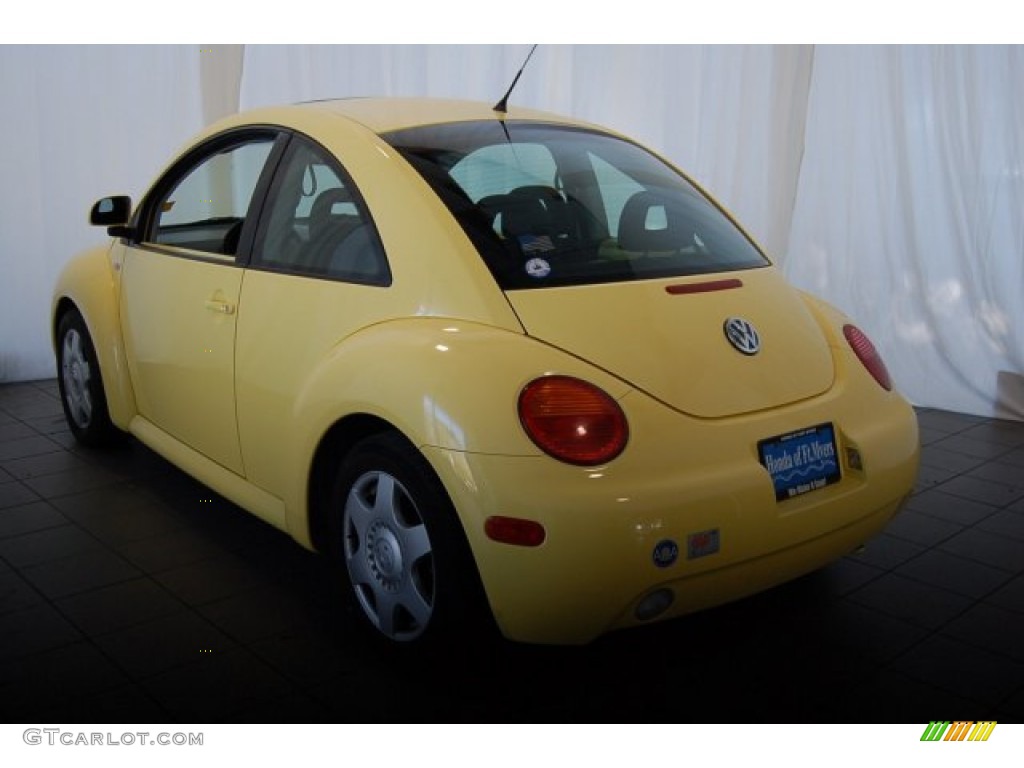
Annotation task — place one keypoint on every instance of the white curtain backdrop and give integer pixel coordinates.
(910, 214)
(889, 180)
(80, 122)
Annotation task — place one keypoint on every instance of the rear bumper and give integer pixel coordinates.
(705, 590)
(678, 479)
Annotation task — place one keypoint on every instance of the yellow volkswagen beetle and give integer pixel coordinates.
(487, 359)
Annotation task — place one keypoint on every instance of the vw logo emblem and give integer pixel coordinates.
(741, 334)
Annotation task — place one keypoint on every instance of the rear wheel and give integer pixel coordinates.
(406, 557)
(80, 383)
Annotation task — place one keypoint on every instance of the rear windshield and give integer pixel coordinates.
(550, 205)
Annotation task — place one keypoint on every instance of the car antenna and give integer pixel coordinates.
(502, 106)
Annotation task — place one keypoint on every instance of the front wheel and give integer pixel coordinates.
(80, 383)
(403, 548)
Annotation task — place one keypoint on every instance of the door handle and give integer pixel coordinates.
(223, 307)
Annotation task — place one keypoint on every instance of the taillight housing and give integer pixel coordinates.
(572, 420)
(868, 355)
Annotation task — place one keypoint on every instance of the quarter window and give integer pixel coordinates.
(317, 223)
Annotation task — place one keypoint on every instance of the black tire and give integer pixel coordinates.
(399, 542)
(81, 383)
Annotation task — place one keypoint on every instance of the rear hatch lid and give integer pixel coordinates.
(690, 342)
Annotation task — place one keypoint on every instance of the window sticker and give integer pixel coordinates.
(536, 243)
(538, 268)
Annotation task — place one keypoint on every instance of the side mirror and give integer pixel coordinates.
(113, 213)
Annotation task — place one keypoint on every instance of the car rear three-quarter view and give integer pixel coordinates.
(486, 359)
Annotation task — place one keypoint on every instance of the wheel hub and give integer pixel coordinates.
(384, 553)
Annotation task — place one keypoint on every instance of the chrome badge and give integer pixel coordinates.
(742, 336)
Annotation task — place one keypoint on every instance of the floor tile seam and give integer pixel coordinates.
(891, 665)
(971, 605)
(1009, 576)
(102, 545)
(125, 627)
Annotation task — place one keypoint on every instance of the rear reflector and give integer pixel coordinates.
(868, 355)
(515, 530)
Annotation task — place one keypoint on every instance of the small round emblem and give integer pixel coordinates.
(742, 335)
(665, 553)
(538, 268)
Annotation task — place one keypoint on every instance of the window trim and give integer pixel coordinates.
(188, 254)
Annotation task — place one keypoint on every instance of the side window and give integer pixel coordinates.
(206, 209)
(317, 223)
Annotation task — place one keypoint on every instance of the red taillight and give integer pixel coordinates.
(515, 530)
(573, 421)
(868, 355)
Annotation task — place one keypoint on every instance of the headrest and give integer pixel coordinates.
(651, 222)
(320, 213)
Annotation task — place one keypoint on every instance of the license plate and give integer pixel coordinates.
(801, 461)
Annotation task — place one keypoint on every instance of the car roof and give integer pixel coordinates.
(385, 114)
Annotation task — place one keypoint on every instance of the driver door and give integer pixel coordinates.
(179, 294)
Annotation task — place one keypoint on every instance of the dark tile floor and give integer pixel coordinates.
(130, 593)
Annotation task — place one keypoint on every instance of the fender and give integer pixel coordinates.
(91, 282)
(411, 388)
(829, 318)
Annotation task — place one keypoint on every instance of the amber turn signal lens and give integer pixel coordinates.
(573, 421)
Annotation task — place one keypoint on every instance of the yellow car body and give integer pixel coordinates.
(259, 381)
